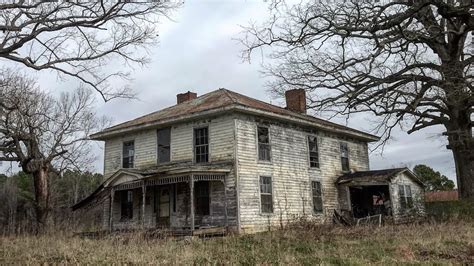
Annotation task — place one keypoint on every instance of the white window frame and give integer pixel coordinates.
(318, 143)
(348, 156)
(269, 144)
(405, 198)
(134, 154)
(321, 196)
(260, 195)
(208, 143)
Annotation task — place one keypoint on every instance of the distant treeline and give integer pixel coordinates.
(17, 213)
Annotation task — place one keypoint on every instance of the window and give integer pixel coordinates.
(164, 140)
(201, 190)
(266, 197)
(313, 151)
(317, 196)
(201, 145)
(344, 157)
(128, 154)
(406, 199)
(263, 144)
(126, 200)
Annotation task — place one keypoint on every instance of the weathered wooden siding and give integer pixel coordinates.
(221, 146)
(145, 151)
(417, 191)
(221, 139)
(290, 172)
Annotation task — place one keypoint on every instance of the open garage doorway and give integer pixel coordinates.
(370, 200)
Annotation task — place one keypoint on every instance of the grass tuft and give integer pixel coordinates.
(427, 243)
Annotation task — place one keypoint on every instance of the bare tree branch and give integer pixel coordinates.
(79, 39)
(406, 62)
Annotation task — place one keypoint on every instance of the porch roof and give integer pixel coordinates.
(375, 176)
(158, 175)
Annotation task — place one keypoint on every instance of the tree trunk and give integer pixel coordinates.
(459, 127)
(461, 143)
(464, 162)
(42, 197)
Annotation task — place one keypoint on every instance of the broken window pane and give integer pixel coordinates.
(317, 196)
(263, 144)
(344, 157)
(313, 151)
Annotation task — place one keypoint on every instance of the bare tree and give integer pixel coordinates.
(43, 133)
(408, 62)
(79, 38)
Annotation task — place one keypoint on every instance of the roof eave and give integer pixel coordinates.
(104, 135)
(301, 120)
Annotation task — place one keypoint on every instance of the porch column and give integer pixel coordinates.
(143, 202)
(225, 202)
(191, 200)
(111, 210)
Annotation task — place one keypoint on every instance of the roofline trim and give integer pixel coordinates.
(302, 120)
(294, 118)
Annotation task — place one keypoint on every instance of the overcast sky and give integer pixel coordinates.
(198, 52)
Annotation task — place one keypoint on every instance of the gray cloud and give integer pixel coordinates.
(198, 52)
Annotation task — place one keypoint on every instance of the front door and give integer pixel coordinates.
(163, 213)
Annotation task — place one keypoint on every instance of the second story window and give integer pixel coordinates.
(128, 154)
(164, 140)
(201, 145)
(263, 144)
(313, 151)
(345, 157)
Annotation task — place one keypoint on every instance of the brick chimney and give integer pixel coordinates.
(296, 100)
(187, 96)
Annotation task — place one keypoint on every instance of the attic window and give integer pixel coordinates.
(128, 154)
(345, 157)
(263, 144)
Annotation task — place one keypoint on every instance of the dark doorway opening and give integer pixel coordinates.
(370, 200)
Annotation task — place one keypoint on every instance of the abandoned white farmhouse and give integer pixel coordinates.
(226, 160)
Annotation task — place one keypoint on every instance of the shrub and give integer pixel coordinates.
(450, 210)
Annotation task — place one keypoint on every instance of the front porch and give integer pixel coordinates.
(164, 203)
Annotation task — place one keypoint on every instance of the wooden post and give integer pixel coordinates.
(191, 200)
(111, 210)
(143, 202)
(225, 203)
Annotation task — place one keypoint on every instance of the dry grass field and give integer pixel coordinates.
(440, 243)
